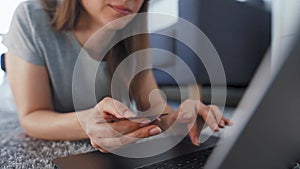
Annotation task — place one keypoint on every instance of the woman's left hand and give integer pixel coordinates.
(195, 115)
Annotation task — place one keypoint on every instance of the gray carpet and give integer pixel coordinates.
(20, 151)
(6, 99)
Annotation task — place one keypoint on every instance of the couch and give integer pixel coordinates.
(240, 32)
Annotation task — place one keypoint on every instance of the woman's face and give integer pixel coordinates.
(102, 12)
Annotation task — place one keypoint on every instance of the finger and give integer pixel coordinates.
(216, 112)
(194, 134)
(222, 121)
(114, 143)
(94, 144)
(187, 111)
(102, 150)
(142, 133)
(115, 129)
(227, 121)
(209, 118)
(187, 117)
(114, 107)
(127, 126)
(108, 116)
(218, 115)
(98, 147)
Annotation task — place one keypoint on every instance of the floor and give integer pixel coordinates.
(6, 100)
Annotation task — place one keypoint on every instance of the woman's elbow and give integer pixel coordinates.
(26, 125)
(29, 126)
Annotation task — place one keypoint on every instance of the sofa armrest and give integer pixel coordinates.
(159, 41)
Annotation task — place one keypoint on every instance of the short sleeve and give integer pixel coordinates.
(21, 38)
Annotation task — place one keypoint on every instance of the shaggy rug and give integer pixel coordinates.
(17, 150)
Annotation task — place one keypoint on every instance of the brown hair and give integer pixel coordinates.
(64, 16)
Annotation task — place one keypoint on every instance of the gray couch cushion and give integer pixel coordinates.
(163, 42)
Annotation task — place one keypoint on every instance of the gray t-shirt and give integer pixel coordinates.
(31, 38)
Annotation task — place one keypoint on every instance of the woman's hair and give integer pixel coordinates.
(64, 16)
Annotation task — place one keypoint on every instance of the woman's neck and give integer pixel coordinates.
(85, 27)
(93, 36)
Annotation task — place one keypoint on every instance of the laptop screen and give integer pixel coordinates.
(266, 132)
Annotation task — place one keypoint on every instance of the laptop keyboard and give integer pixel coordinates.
(193, 160)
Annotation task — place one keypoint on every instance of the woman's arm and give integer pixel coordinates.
(31, 90)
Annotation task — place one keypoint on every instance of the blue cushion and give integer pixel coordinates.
(3, 62)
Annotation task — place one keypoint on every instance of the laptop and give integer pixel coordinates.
(265, 134)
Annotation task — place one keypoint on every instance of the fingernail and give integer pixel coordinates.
(187, 116)
(155, 131)
(129, 114)
(216, 127)
(157, 120)
(197, 141)
(145, 122)
(230, 123)
(222, 123)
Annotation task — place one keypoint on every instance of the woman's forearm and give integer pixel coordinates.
(50, 125)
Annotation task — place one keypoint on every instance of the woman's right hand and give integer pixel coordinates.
(107, 135)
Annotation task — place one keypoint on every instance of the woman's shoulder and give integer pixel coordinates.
(30, 7)
(31, 4)
(32, 12)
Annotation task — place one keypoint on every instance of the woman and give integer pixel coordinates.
(44, 41)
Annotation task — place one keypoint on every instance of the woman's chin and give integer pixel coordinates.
(119, 23)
